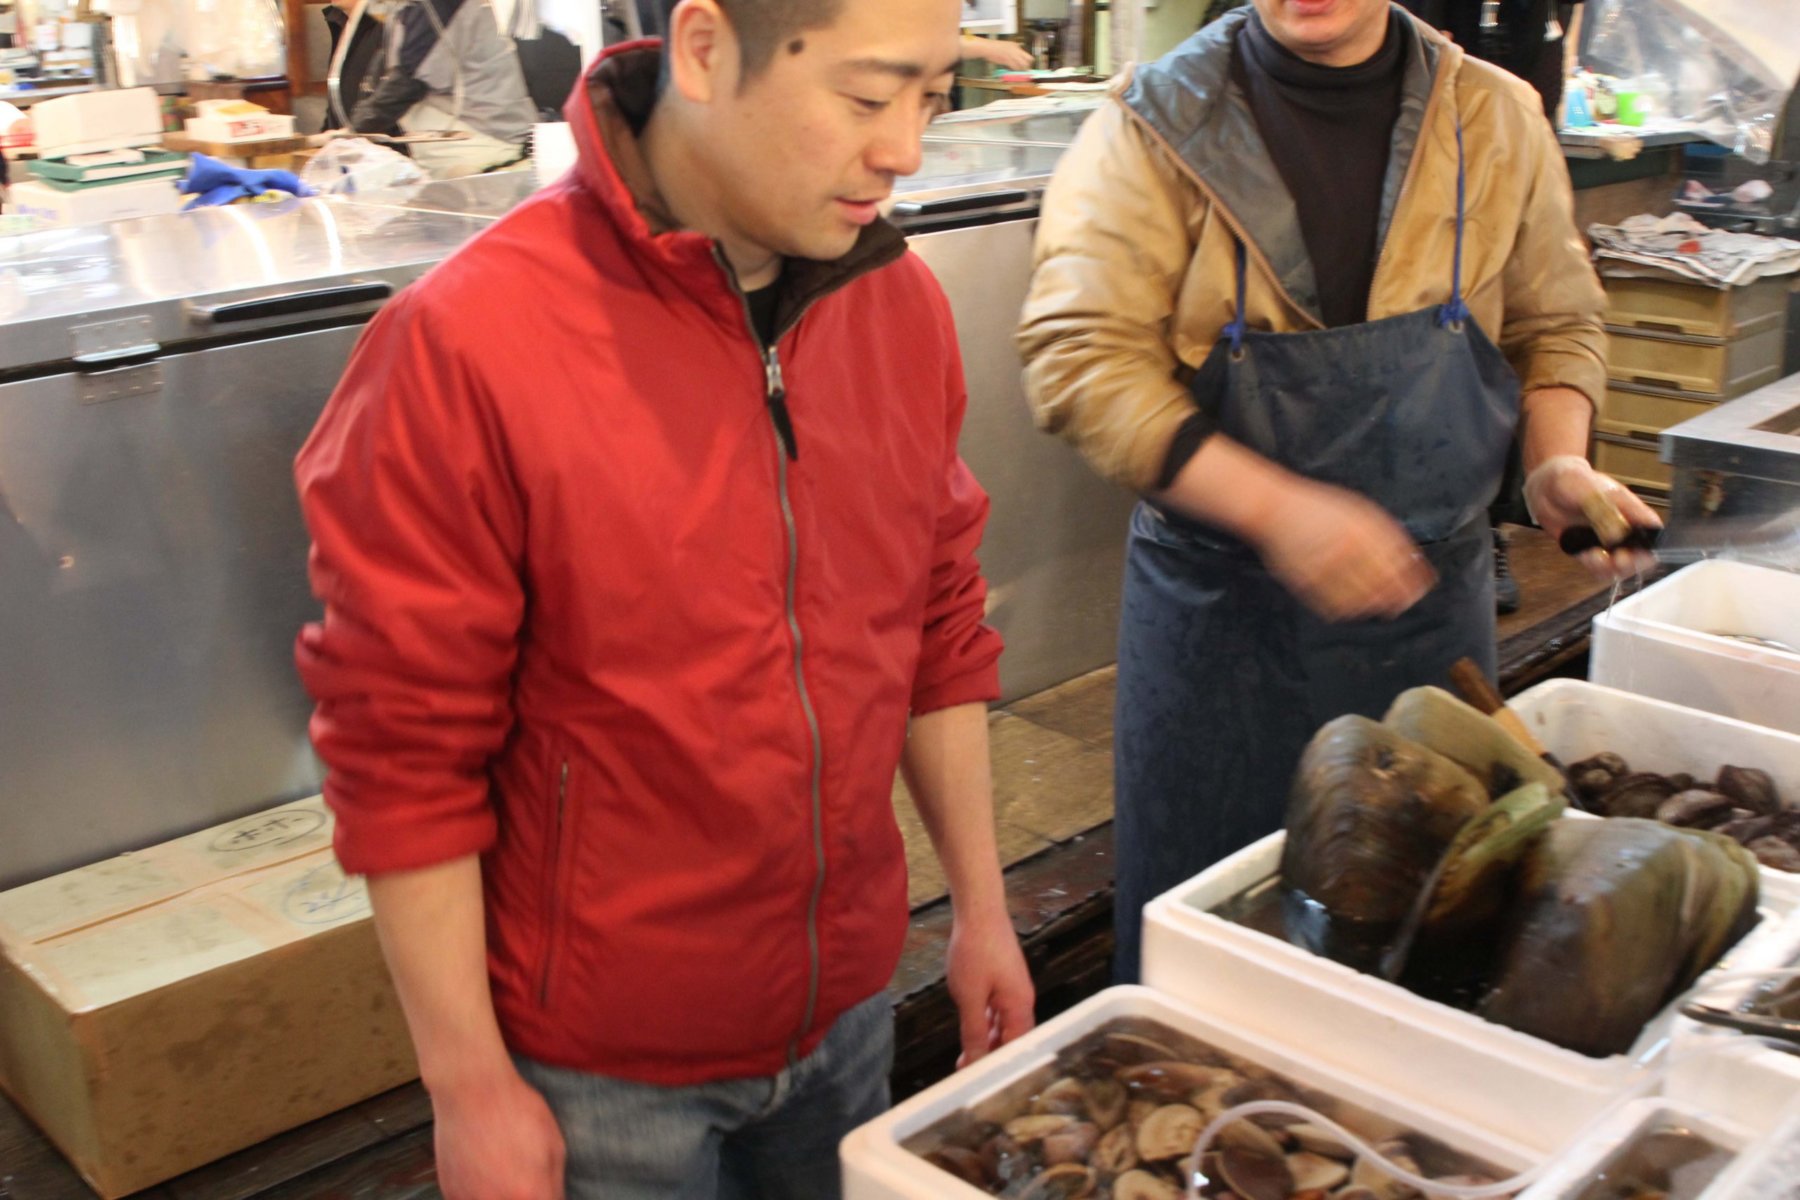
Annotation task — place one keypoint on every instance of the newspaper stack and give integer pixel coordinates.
(1682, 246)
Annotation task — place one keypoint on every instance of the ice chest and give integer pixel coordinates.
(1520, 1087)
(1675, 641)
(164, 1008)
(878, 1166)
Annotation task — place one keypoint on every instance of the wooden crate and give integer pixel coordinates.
(1628, 411)
(1632, 461)
(1708, 366)
(1693, 309)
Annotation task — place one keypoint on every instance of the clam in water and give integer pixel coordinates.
(1122, 1107)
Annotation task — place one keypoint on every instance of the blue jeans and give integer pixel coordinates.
(771, 1137)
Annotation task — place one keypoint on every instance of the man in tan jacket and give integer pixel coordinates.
(1300, 283)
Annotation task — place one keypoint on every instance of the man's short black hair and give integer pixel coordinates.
(767, 27)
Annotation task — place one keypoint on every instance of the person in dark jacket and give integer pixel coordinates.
(448, 68)
(647, 556)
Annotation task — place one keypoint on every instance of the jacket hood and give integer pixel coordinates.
(1189, 101)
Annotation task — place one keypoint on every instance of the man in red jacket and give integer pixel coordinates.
(642, 537)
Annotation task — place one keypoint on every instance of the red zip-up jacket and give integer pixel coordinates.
(586, 617)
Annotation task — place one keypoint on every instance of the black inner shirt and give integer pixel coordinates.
(763, 302)
(1328, 131)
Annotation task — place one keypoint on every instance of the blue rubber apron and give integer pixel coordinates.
(1223, 675)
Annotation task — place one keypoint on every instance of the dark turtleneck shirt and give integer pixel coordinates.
(1328, 130)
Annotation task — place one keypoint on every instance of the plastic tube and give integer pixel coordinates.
(1430, 1187)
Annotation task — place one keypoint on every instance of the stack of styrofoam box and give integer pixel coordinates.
(878, 1166)
(1668, 641)
(1520, 1087)
(88, 123)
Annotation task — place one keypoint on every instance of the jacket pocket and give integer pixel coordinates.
(559, 841)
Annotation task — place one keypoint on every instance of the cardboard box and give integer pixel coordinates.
(165, 1008)
(240, 128)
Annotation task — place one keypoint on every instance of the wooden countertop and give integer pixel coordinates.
(1053, 794)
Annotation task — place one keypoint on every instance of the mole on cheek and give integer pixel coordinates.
(797, 45)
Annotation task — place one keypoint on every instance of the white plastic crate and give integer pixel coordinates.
(1575, 1171)
(877, 1166)
(1576, 720)
(1668, 642)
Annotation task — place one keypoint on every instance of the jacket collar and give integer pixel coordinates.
(606, 112)
(1188, 99)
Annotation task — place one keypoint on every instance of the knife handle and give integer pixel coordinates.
(1578, 539)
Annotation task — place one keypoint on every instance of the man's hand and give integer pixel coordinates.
(1341, 554)
(1557, 488)
(497, 1140)
(990, 983)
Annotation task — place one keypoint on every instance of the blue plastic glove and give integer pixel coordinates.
(212, 182)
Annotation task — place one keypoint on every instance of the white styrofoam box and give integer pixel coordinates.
(1575, 1171)
(94, 205)
(99, 120)
(877, 1166)
(1522, 1087)
(247, 127)
(1667, 641)
(1576, 720)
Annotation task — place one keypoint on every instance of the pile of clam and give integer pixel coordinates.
(1742, 804)
(1117, 1118)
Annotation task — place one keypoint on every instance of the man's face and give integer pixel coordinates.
(1335, 32)
(807, 149)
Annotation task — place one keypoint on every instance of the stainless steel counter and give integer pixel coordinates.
(1741, 458)
(79, 294)
(157, 378)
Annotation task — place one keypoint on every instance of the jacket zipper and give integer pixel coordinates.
(555, 881)
(787, 449)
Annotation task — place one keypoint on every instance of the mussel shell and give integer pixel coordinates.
(1638, 795)
(1696, 808)
(1255, 1176)
(1369, 814)
(1749, 788)
(1606, 761)
(1775, 852)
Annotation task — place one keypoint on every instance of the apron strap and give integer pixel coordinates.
(1235, 330)
(1454, 313)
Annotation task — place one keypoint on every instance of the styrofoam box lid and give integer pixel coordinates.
(876, 1166)
(1575, 1171)
(1699, 604)
(1427, 1040)
(90, 116)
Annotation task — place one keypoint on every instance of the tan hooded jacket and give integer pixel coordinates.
(1134, 280)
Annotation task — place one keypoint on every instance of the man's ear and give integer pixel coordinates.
(702, 51)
